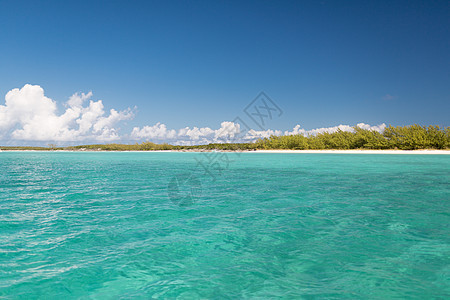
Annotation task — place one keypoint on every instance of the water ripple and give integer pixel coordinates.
(101, 225)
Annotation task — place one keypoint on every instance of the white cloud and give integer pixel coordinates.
(380, 128)
(227, 131)
(255, 134)
(158, 131)
(298, 130)
(195, 133)
(31, 116)
(187, 135)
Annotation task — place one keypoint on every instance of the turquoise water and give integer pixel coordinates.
(293, 226)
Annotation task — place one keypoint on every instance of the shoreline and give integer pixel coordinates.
(350, 151)
(358, 151)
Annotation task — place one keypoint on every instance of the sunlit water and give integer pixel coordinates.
(141, 225)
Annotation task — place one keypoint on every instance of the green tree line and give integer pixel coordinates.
(393, 137)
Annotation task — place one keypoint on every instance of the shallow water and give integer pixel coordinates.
(190, 225)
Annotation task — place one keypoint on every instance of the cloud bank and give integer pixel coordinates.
(229, 132)
(28, 115)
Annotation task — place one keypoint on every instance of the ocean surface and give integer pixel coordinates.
(224, 226)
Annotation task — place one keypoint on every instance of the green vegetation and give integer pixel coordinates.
(146, 146)
(404, 138)
(401, 137)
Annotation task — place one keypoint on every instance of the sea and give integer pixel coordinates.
(222, 225)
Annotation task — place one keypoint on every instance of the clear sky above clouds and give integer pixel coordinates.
(199, 63)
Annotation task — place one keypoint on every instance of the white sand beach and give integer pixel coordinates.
(358, 151)
(254, 151)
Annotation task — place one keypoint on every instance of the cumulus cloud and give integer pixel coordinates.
(253, 135)
(157, 131)
(380, 128)
(298, 130)
(227, 131)
(31, 116)
(187, 136)
(195, 133)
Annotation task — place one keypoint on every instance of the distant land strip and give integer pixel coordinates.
(411, 137)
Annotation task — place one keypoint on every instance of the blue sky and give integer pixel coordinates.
(199, 63)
